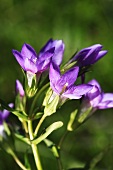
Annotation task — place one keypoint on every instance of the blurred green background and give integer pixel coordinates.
(79, 23)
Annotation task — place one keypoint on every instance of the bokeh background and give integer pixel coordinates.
(79, 23)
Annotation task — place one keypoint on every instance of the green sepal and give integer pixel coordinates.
(47, 97)
(71, 120)
(48, 131)
(84, 115)
(20, 102)
(30, 89)
(51, 107)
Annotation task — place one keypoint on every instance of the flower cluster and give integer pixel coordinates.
(47, 85)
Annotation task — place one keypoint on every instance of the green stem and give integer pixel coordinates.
(19, 163)
(36, 97)
(36, 157)
(39, 124)
(34, 147)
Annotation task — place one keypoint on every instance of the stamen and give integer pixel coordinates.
(64, 88)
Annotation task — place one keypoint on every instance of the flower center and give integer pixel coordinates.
(64, 88)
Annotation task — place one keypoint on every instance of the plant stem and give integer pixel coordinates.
(34, 147)
(36, 97)
(36, 157)
(39, 124)
(19, 163)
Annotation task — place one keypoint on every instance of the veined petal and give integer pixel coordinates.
(107, 97)
(43, 62)
(19, 58)
(69, 77)
(95, 83)
(105, 105)
(94, 96)
(28, 51)
(76, 92)
(89, 55)
(100, 55)
(54, 75)
(59, 51)
(46, 47)
(30, 66)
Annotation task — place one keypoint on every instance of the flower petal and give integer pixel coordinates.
(19, 58)
(59, 51)
(69, 77)
(28, 51)
(95, 83)
(76, 92)
(30, 66)
(105, 105)
(43, 61)
(19, 88)
(54, 75)
(107, 97)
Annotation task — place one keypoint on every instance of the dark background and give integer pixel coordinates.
(79, 23)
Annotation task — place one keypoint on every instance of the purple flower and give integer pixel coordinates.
(97, 98)
(3, 117)
(89, 55)
(33, 63)
(63, 85)
(19, 88)
(30, 61)
(58, 52)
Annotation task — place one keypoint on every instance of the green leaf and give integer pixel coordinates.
(72, 118)
(19, 114)
(48, 131)
(20, 137)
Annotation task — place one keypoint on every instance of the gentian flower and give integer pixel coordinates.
(63, 85)
(58, 51)
(89, 55)
(19, 88)
(30, 61)
(33, 63)
(3, 117)
(96, 98)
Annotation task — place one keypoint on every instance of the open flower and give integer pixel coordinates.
(96, 98)
(3, 117)
(31, 62)
(63, 85)
(89, 55)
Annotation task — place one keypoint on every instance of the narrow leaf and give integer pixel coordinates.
(49, 130)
